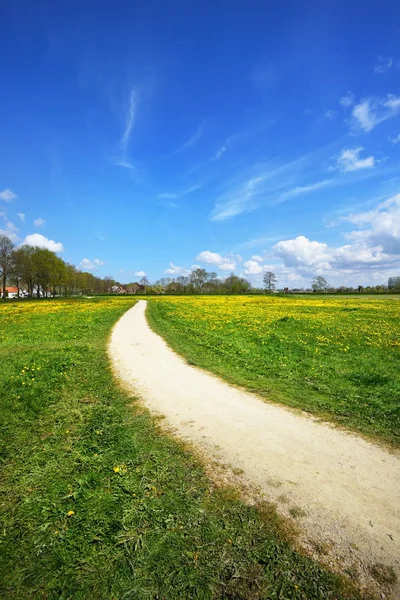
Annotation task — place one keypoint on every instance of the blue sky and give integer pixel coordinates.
(148, 137)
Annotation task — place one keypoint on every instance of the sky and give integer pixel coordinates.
(149, 137)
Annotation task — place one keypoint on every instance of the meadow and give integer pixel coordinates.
(96, 502)
(335, 357)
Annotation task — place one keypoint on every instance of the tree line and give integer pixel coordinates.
(42, 273)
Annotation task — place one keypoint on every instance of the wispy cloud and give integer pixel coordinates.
(304, 189)
(224, 147)
(129, 121)
(330, 114)
(264, 183)
(122, 159)
(220, 152)
(179, 194)
(21, 216)
(384, 63)
(270, 184)
(7, 195)
(193, 139)
(126, 164)
(39, 222)
(242, 199)
(258, 242)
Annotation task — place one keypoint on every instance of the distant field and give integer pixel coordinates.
(338, 357)
(96, 503)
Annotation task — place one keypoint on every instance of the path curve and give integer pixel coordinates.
(347, 489)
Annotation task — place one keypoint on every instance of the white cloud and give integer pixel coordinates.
(392, 102)
(213, 258)
(349, 160)
(257, 258)
(21, 216)
(175, 270)
(301, 251)
(10, 230)
(395, 140)
(39, 222)
(347, 100)
(210, 257)
(37, 239)
(91, 265)
(140, 274)
(368, 113)
(227, 266)
(7, 195)
(384, 226)
(384, 63)
(372, 253)
(364, 115)
(252, 267)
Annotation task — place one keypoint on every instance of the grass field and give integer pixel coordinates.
(96, 503)
(338, 357)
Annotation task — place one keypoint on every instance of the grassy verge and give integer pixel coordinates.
(96, 503)
(335, 357)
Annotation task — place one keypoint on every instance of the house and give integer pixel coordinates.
(135, 288)
(11, 292)
(131, 288)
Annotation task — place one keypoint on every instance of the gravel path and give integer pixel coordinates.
(344, 492)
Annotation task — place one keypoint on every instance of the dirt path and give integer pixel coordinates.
(343, 491)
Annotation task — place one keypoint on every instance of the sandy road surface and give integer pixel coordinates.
(343, 491)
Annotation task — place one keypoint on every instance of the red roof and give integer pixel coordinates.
(12, 290)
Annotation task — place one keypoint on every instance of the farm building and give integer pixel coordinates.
(12, 292)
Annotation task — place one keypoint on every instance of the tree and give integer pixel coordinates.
(236, 285)
(183, 280)
(6, 259)
(144, 282)
(198, 277)
(394, 284)
(269, 280)
(319, 284)
(45, 269)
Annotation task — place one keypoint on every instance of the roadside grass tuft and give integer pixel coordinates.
(96, 503)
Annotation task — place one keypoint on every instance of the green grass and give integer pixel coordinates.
(96, 503)
(335, 357)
